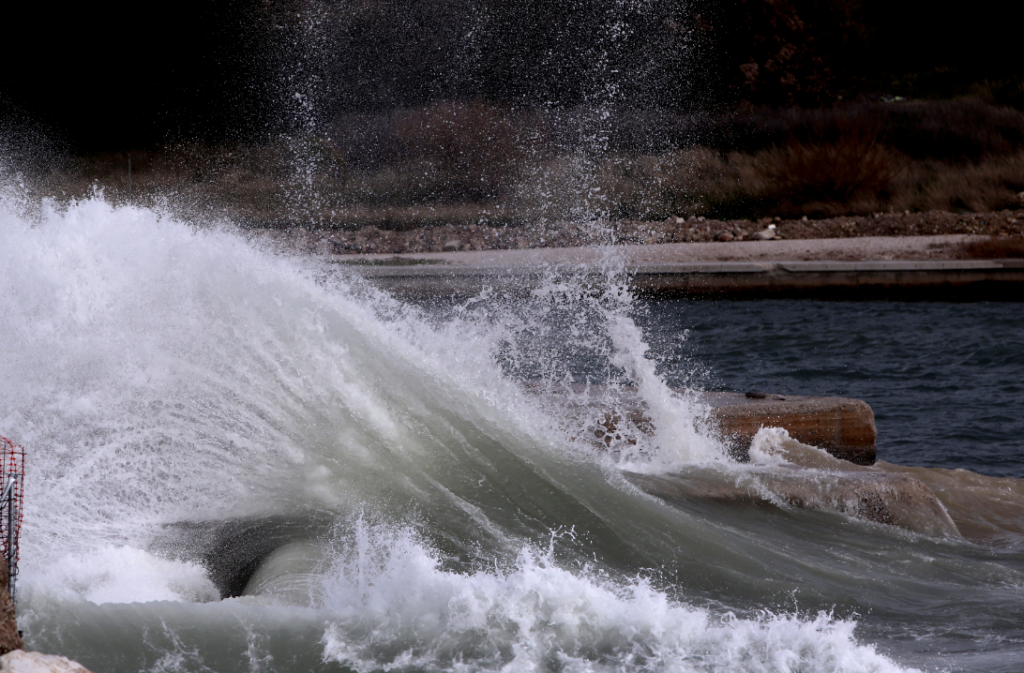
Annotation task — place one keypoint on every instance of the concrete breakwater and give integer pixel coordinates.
(879, 267)
(10, 637)
(843, 427)
(13, 657)
(963, 280)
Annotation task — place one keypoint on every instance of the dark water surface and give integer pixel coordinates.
(944, 380)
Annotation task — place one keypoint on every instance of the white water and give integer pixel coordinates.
(156, 373)
(395, 608)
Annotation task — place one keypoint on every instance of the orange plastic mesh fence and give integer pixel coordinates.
(12, 463)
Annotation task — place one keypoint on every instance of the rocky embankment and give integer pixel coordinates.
(371, 240)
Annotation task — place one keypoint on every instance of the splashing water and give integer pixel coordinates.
(164, 376)
(396, 609)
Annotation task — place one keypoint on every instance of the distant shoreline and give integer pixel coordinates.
(904, 268)
(995, 235)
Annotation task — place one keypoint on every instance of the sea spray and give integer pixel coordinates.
(161, 374)
(174, 373)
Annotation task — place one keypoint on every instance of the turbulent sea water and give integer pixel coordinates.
(239, 461)
(946, 381)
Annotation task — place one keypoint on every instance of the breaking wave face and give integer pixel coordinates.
(438, 514)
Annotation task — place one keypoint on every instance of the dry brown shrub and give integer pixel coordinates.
(477, 147)
(500, 165)
(631, 186)
(561, 187)
(825, 178)
(993, 183)
(683, 182)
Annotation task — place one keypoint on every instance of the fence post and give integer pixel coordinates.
(12, 569)
(12, 459)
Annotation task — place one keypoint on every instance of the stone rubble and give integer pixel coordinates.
(450, 238)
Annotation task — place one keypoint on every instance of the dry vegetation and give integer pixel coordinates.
(472, 163)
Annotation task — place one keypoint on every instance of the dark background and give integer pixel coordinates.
(105, 78)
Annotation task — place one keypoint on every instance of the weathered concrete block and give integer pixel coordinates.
(844, 427)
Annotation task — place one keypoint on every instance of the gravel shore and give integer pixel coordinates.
(450, 238)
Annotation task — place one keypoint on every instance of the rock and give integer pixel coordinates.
(724, 236)
(20, 661)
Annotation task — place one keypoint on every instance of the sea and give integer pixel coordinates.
(240, 459)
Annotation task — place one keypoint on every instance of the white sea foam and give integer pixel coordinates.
(393, 608)
(120, 575)
(766, 446)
